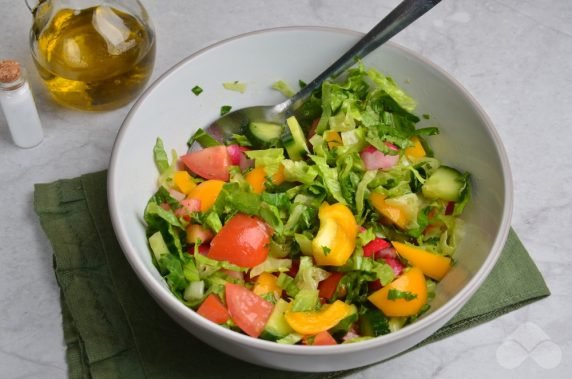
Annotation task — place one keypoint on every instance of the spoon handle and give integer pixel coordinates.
(403, 15)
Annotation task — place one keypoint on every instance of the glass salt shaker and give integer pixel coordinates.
(18, 105)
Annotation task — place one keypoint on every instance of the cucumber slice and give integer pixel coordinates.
(294, 140)
(276, 326)
(373, 323)
(445, 183)
(263, 134)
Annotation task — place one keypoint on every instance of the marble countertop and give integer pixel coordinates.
(514, 56)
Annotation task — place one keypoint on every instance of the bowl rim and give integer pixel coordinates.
(163, 296)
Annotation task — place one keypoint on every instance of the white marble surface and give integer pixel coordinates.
(514, 56)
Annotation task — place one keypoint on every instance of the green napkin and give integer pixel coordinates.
(114, 329)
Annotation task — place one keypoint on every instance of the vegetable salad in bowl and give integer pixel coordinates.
(332, 228)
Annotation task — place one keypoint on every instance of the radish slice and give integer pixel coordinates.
(374, 246)
(374, 159)
(234, 154)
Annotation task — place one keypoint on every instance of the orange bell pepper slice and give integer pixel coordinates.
(433, 265)
(266, 283)
(311, 323)
(183, 182)
(413, 282)
(416, 151)
(207, 192)
(256, 178)
(393, 213)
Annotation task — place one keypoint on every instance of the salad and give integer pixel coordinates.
(330, 229)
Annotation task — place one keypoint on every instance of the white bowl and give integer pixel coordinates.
(170, 110)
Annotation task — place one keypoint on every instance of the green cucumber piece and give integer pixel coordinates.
(158, 246)
(263, 134)
(294, 140)
(277, 327)
(373, 323)
(445, 183)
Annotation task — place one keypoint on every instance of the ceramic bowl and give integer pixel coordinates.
(170, 110)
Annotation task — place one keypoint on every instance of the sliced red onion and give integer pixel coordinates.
(245, 163)
(395, 265)
(177, 195)
(374, 159)
(388, 252)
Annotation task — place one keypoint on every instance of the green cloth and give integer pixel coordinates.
(114, 329)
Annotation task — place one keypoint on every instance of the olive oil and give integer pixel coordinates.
(94, 59)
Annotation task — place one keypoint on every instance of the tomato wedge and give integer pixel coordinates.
(242, 241)
(213, 309)
(328, 286)
(248, 311)
(321, 339)
(209, 163)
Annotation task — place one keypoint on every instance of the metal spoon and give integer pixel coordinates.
(404, 14)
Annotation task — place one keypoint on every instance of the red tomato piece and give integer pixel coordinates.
(213, 309)
(248, 310)
(209, 163)
(320, 339)
(328, 286)
(243, 241)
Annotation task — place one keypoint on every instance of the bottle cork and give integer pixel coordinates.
(9, 71)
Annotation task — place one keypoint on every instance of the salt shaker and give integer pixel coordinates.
(18, 105)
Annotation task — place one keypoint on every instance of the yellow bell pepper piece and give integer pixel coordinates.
(413, 282)
(311, 323)
(333, 139)
(207, 192)
(416, 151)
(433, 265)
(335, 241)
(266, 283)
(392, 212)
(342, 215)
(183, 182)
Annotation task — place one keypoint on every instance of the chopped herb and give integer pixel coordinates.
(302, 83)
(225, 109)
(203, 138)
(426, 116)
(394, 294)
(326, 250)
(197, 90)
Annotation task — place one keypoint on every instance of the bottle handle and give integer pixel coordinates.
(33, 8)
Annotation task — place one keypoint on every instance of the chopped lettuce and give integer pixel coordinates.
(360, 109)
